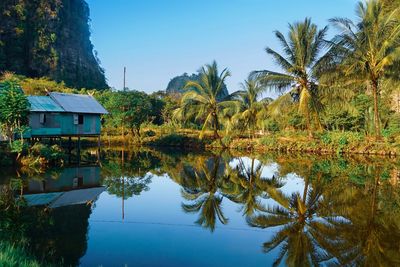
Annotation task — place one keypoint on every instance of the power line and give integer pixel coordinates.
(178, 225)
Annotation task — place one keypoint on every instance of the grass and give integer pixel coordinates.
(13, 256)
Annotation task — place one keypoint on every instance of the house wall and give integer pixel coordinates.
(62, 124)
(51, 127)
(91, 125)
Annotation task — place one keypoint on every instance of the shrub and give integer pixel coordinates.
(272, 125)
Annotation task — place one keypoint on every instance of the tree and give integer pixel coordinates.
(250, 107)
(14, 108)
(202, 99)
(367, 49)
(129, 109)
(301, 64)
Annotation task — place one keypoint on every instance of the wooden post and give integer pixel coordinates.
(69, 149)
(79, 150)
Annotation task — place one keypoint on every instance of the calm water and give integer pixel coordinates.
(155, 208)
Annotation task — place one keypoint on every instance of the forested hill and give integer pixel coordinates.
(49, 38)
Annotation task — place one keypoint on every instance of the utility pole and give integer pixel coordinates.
(123, 110)
(124, 79)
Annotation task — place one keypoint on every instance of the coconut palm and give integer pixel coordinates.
(252, 109)
(200, 187)
(202, 99)
(367, 49)
(301, 64)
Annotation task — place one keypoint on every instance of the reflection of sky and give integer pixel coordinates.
(156, 232)
(293, 182)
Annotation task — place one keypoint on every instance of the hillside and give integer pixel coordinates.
(49, 38)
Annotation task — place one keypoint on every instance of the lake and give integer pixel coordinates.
(179, 208)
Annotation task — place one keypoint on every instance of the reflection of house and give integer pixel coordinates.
(71, 187)
(60, 114)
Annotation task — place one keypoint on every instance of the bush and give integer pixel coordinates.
(271, 125)
(41, 154)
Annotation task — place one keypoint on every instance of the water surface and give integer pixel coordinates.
(158, 208)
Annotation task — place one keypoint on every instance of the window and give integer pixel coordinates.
(42, 118)
(80, 119)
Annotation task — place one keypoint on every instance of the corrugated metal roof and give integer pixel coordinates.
(78, 103)
(44, 104)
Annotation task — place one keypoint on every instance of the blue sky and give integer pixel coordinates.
(159, 39)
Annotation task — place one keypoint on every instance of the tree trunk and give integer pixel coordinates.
(309, 129)
(376, 109)
(216, 127)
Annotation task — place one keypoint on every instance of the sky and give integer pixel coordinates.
(157, 40)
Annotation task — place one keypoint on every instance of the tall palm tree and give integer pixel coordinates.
(368, 48)
(300, 63)
(251, 107)
(202, 100)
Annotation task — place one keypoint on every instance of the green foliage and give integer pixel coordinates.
(202, 101)
(366, 51)
(19, 147)
(53, 153)
(129, 109)
(301, 64)
(13, 256)
(271, 125)
(14, 108)
(41, 155)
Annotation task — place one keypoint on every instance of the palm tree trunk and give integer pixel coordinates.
(376, 109)
(310, 133)
(216, 128)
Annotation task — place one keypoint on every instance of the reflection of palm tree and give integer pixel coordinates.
(299, 237)
(200, 188)
(251, 186)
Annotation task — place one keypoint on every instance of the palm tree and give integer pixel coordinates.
(251, 108)
(202, 100)
(368, 48)
(200, 187)
(301, 64)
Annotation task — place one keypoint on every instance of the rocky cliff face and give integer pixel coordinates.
(49, 38)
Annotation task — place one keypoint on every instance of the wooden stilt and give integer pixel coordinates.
(79, 150)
